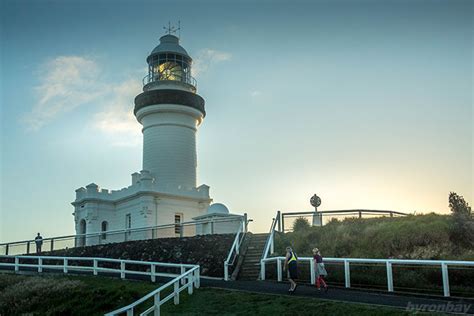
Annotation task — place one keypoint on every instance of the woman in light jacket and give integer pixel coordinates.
(320, 271)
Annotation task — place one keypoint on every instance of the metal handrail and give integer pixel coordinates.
(234, 249)
(118, 231)
(192, 275)
(270, 240)
(388, 262)
(188, 79)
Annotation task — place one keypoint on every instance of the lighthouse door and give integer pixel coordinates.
(82, 231)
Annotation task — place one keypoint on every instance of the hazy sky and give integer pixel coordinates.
(367, 103)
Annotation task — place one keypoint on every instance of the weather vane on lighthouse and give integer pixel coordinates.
(171, 29)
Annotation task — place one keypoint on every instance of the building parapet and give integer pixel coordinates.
(141, 182)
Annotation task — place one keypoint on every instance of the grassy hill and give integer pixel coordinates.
(413, 237)
(428, 236)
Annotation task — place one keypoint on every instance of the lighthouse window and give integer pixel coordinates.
(170, 71)
(104, 228)
(178, 217)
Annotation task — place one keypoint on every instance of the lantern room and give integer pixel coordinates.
(169, 62)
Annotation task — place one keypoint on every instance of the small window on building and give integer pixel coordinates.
(178, 219)
(128, 222)
(104, 228)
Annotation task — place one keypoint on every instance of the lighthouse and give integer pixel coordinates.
(165, 192)
(170, 111)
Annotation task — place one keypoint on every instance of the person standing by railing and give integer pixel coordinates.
(39, 243)
(320, 270)
(291, 266)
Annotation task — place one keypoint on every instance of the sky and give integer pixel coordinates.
(368, 103)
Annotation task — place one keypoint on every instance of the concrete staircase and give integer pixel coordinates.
(250, 268)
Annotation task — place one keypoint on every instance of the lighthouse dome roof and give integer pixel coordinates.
(169, 44)
(218, 208)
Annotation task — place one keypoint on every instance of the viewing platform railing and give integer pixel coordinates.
(187, 278)
(288, 218)
(184, 229)
(188, 79)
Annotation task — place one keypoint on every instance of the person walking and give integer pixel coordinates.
(291, 266)
(39, 243)
(320, 270)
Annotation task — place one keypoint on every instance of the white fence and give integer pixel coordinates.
(188, 278)
(443, 264)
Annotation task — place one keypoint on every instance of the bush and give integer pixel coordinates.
(301, 224)
(462, 232)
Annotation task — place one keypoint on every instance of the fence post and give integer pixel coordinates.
(389, 277)
(197, 278)
(65, 265)
(52, 244)
(312, 274)
(245, 223)
(279, 270)
(190, 283)
(6, 249)
(444, 270)
(40, 265)
(176, 293)
(28, 248)
(271, 242)
(17, 262)
(226, 271)
(347, 274)
(130, 311)
(95, 267)
(279, 221)
(153, 271)
(156, 303)
(262, 270)
(183, 269)
(122, 269)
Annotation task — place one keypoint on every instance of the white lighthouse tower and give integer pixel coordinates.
(170, 111)
(165, 191)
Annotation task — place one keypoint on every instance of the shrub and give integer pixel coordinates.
(301, 224)
(462, 232)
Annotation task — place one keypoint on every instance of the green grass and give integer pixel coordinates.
(225, 302)
(411, 237)
(87, 295)
(67, 295)
(415, 236)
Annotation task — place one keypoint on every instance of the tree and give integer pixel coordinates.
(301, 224)
(463, 224)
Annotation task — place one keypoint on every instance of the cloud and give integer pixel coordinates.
(206, 58)
(116, 118)
(66, 82)
(255, 93)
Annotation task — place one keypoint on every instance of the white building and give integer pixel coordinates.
(166, 190)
